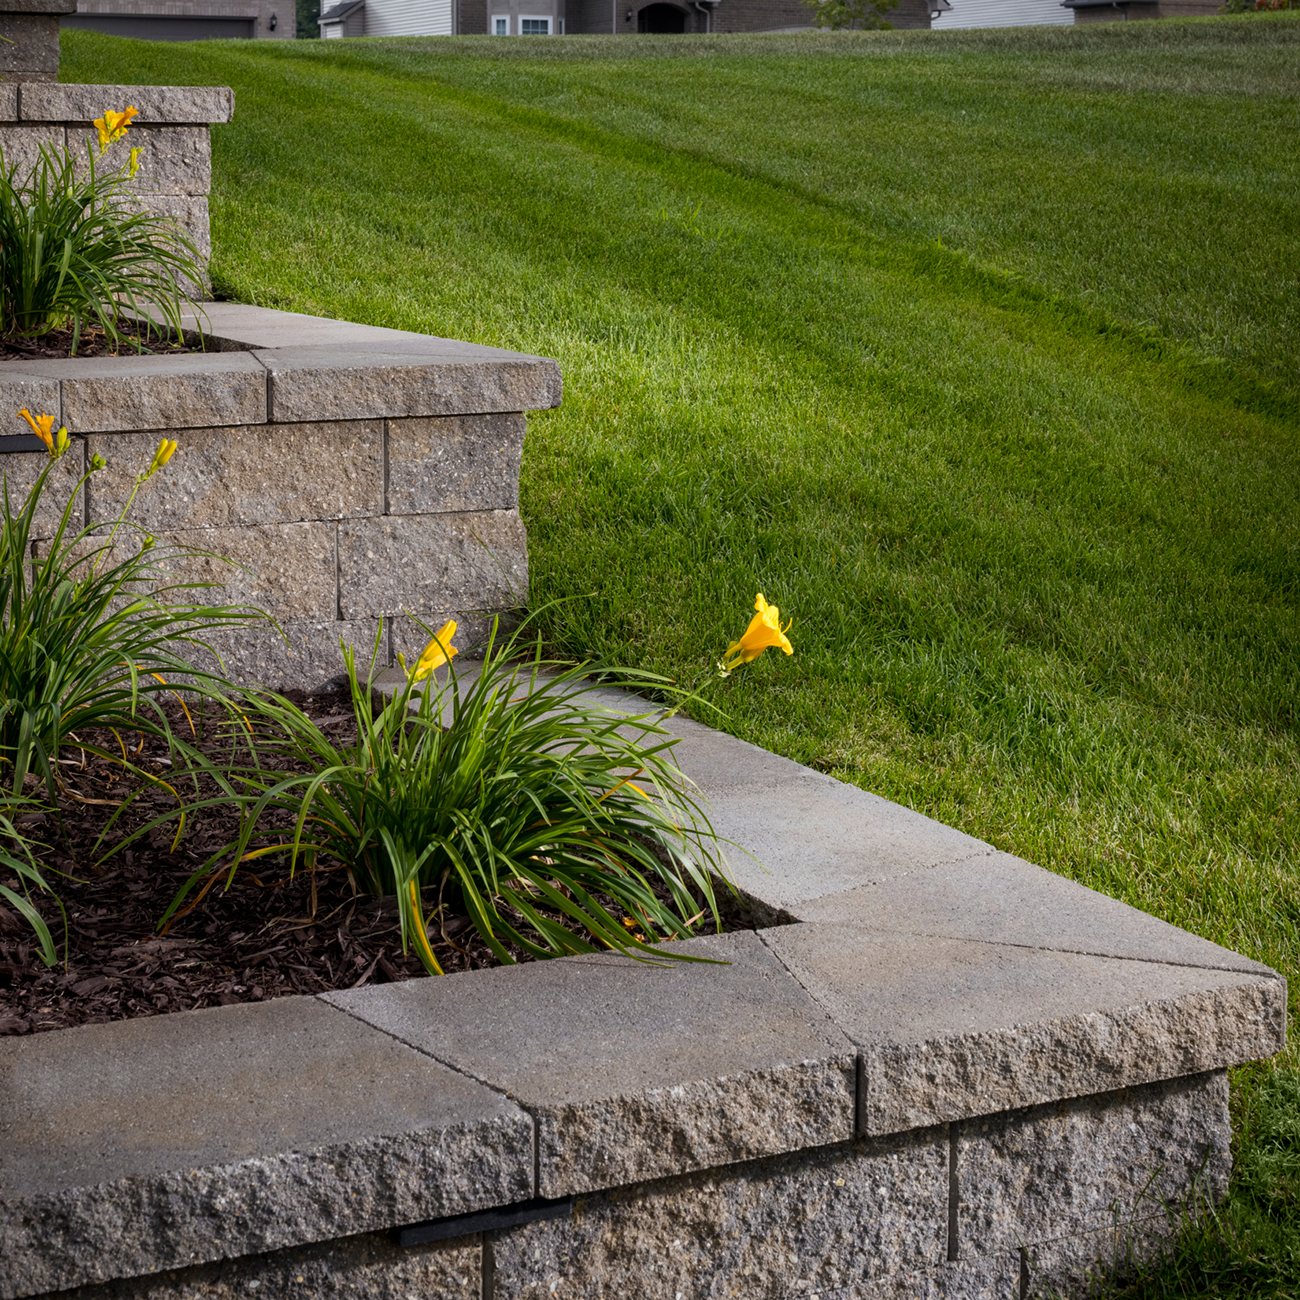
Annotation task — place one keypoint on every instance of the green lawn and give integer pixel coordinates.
(977, 353)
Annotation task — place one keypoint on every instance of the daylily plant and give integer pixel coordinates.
(439, 651)
(764, 632)
(112, 127)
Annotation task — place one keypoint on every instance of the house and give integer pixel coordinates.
(583, 17)
(1111, 11)
(187, 20)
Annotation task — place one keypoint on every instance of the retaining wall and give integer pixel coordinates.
(952, 1075)
(353, 472)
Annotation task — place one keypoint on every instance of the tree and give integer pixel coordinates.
(862, 15)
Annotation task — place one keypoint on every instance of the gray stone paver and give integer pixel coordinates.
(1000, 898)
(345, 382)
(637, 1071)
(951, 1028)
(195, 390)
(286, 1122)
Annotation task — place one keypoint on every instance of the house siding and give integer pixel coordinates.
(409, 18)
(1004, 13)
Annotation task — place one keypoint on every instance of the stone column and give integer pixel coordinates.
(29, 50)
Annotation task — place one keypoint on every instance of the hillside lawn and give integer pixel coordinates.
(977, 352)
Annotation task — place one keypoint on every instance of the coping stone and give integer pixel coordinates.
(430, 563)
(791, 1225)
(1073, 1167)
(951, 1028)
(797, 833)
(635, 1070)
(999, 898)
(350, 383)
(121, 1153)
(195, 390)
(53, 102)
(234, 477)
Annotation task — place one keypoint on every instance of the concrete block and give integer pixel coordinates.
(797, 1225)
(307, 658)
(20, 470)
(811, 836)
(366, 1267)
(982, 1279)
(245, 326)
(9, 96)
(31, 48)
(123, 1153)
(125, 393)
(37, 393)
(431, 563)
(173, 159)
(951, 1028)
(1003, 899)
(84, 103)
(348, 383)
(259, 474)
(633, 1070)
(1082, 1165)
(187, 213)
(457, 463)
(1089, 1265)
(21, 146)
(285, 570)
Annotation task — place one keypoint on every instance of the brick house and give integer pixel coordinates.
(582, 17)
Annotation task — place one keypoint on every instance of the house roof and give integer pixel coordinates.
(341, 11)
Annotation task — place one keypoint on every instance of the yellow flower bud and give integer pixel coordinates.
(166, 450)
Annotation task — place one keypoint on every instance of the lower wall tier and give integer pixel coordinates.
(999, 1208)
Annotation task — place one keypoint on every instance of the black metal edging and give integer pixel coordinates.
(503, 1216)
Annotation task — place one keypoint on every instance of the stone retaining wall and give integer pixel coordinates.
(953, 1075)
(352, 472)
(171, 131)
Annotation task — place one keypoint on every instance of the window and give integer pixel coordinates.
(534, 26)
(500, 25)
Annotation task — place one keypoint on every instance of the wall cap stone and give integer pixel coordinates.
(58, 102)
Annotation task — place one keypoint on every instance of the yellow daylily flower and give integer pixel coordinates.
(166, 450)
(43, 427)
(439, 651)
(112, 126)
(135, 161)
(764, 631)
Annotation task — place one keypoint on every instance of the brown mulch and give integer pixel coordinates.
(266, 936)
(94, 342)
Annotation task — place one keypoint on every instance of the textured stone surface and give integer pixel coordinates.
(259, 474)
(430, 563)
(461, 462)
(1086, 1266)
(122, 394)
(798, 834)
(244, 326)
(22, 145)
(187, 212)
(347, 383)
(311, 661)
(20, 470)
(982, 1279)
(38, 393)
(31, 47)
(367, 1267)
(72, 103)
(951, 1028)
(1072, 1167)
(634, 1070)
(1003, 899)
(794, 1225)
(285, 570)
(173, 159)
(165, 1142)
(9, 95)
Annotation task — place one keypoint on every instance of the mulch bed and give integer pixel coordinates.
(266, 936)
(94, 342)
